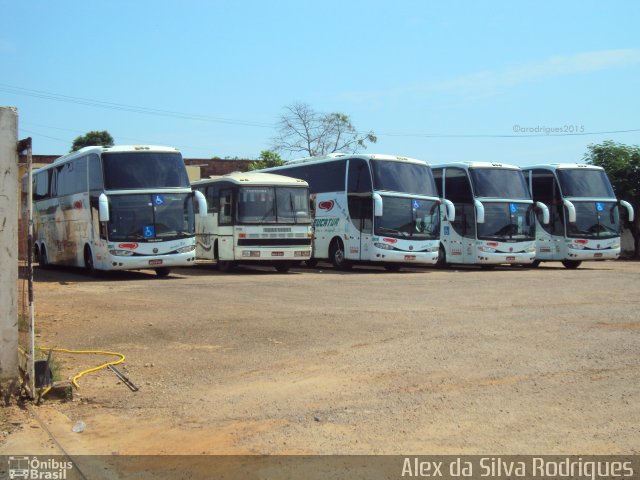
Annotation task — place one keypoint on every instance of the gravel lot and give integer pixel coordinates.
(509, 361)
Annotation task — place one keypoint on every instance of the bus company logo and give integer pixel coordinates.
(326, 205)
(128, 246)
(33, 468)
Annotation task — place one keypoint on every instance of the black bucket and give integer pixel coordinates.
(43, 373)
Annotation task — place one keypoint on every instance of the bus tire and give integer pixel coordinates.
(442, 258)
(311, 263)
(283, 267)
(226, 266)
(163, 271)
(43, 260)
(36, 253)
(337, 255)
(534, 264)
(89, 266)
(571, 264)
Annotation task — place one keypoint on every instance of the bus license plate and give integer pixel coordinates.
(511, 259)
(409, 258)
(597, 255)
(155, 262)
(277, 254)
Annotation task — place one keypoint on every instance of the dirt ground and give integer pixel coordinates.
(509, 361)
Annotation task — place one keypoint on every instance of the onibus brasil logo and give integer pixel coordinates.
(33, 468)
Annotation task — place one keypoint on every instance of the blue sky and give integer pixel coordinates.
(439, 81)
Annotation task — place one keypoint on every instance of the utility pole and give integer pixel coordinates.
(9, 206)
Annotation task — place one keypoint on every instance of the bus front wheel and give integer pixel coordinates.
(163, 271)
(571, 264)
(283, 267)
(442, 258)
(225, 266)
(337, 255)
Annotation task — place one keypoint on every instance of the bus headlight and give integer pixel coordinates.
(485, 249)
(383, 246)
(576, 246)
(531, 249)
(614, 245)
(188, 248)
(121, 253)
(432, 249)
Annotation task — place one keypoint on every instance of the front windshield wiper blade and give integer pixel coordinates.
(391, 230)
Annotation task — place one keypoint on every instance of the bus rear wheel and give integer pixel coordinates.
(337, 255)
(43, 259)
(163, 271)
(89, 266)
(571, 264)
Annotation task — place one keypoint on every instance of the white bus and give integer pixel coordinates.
(494, 220)
(255, 218)
(585, 218)
(115, 208)
(370, 208)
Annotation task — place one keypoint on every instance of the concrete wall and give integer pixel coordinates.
(8, 244)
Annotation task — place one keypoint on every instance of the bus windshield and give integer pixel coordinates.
(136, 170)
(403, 177)
(585, 183)
(409, 218)
(273, 205)
(595, 220)
(507, 221)
(499, 183)
(150, 217)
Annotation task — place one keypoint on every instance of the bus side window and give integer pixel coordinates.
(213, 200)
(225, 217)
(95, 173)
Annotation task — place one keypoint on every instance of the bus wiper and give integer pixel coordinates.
(293, 210)
(391, 230)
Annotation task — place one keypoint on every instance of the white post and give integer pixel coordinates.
(8, 245)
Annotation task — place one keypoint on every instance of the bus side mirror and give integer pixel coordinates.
(629, 208)
(479, 211)
(571, 209)
(377, 205)
(103, 208)
(451, 210)
(202, 203)
(545, 212)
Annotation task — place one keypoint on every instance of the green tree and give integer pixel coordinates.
(302, 130)
(622, 164)
(266, 159)
(92, 138)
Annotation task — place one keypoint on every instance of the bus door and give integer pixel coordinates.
(361, 228)
(360, 204)
(549, 238)
(461, 237)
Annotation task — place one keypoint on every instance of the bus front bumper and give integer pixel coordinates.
(396, 256)
(142, 262)
(257, 254)
(498, 258)
(588, 254)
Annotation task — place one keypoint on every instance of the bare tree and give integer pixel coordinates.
(302, 130)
